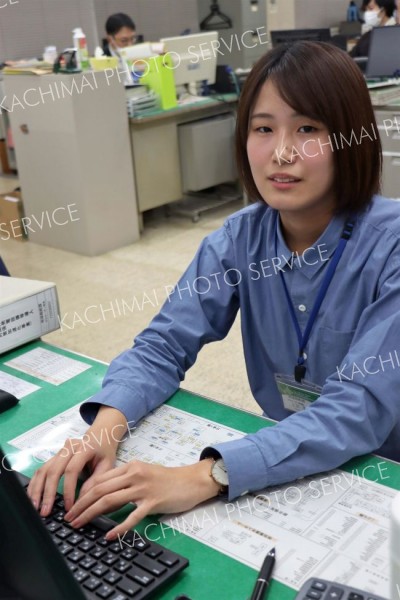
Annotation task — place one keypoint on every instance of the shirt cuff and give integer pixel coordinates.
(115, 396)
(244, 463)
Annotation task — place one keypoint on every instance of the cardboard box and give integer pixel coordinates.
(11, 212)
(28, 310)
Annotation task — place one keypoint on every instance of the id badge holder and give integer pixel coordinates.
(296, 396)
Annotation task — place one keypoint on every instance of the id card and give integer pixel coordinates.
(296, 396)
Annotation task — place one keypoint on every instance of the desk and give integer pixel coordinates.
(155, 149)
(211, 575)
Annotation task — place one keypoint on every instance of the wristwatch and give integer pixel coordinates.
(219, 474)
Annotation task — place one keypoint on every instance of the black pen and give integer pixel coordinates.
(264, 576)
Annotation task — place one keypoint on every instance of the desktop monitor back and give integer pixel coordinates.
(296, 35)
(30, 566)
(384, 52)
(194, 57)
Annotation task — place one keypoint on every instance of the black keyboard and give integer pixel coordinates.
(133, 567)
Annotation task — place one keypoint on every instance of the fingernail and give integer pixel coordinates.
(35, 504)
(44, 510)
(110, 536)
(76, 523)
(68, 516)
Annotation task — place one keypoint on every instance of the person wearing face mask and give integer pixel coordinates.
(378, 13)
(121, 32)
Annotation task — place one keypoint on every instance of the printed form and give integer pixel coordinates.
(48, 365)
(333, 526)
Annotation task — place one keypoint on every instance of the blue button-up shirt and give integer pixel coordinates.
(353, 351)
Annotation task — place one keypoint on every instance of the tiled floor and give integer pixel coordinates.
(139, 271)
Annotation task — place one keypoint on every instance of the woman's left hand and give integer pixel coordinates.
(153, 488)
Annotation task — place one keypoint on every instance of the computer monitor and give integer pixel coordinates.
(194, 57)
(384, 55)
(297, 35)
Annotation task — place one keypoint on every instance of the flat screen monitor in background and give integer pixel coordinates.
(297, 35)
(384, 52)
(194, 58)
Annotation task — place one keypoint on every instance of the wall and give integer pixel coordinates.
(27, 26)
(305, 14)
(153, 18)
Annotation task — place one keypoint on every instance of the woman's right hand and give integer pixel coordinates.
(96, 452)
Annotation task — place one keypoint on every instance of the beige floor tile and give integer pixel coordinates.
(125, 289)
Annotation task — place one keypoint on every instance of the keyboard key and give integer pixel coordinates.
(141, 545)
(87, 563)
(100, 570)
(103, 542)
(129, 553)
(63, 533)
(119, 596)
(91, 533)
(109, 559)
(86, 545)
(153, 553)
(59, 516)
(169, 560)
(113, 577)
(75, 556)
(122, 566)
(334, 593)
(65, 548)
(140, 576)
(129, 588)
(319, 585)
(115, 547)
(92, 583)
(81, 575)
(314, 595)
(52, 526)
(75, 539)
(98, 552)
(354, 596)
(105, 591)
(149, 565)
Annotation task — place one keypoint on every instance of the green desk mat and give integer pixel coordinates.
(211, 574)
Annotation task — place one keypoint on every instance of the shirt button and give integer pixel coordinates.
(302, 307)
(304, 356)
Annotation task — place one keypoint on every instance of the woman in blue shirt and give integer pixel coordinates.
(313, 266)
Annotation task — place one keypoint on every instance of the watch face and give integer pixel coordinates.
(219, 472)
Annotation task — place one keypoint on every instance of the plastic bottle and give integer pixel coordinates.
(79, 42)
(50, 54)
(395, 549)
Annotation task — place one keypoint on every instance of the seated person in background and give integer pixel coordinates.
(309, 192)
(121, 32)
(378, 13)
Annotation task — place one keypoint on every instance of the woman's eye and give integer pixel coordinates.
(264, 129)
(307, 129)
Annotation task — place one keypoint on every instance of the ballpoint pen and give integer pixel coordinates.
(264, 576)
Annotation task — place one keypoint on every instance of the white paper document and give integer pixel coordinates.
(333, 526)
(48, 365)
(16, 386)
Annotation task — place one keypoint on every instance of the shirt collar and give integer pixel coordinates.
(311, 260)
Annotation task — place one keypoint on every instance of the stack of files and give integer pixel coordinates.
(385, 95)
(28, 67)
(139, 100)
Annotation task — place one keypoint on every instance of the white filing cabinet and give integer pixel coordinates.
(388, 120)
(74, 148)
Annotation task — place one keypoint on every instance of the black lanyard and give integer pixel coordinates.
(300, 368)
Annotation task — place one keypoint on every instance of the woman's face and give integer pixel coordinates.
(290, 156)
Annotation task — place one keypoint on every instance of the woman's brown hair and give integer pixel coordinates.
(323, 83)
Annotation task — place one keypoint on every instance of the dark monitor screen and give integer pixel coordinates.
(384, 55)
(297, 35)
